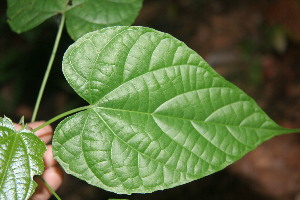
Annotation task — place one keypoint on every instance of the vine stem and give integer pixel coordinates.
(50, 63)
(50, 188)
(61, 116)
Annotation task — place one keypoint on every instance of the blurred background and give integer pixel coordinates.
(253, 43)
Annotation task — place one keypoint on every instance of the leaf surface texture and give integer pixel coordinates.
(21, 157)
(82, 16)
(160, 116)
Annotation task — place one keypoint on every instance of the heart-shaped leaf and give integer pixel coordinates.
(160, 116)
(82, 16)
(21, 157)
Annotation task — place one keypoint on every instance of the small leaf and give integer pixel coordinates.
(21, 157)
(92, 15)
(26, 14)
(160, 116)
(82, 16)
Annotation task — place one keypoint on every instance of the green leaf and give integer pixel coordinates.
(160, 115)
(21, 157)
(92, 15)
(82, 16)
(26, 14)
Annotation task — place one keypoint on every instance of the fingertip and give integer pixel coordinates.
(45, 133)
(17, 126)
(48, 158)
(53, 176)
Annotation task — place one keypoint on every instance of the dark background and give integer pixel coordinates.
(253, 43)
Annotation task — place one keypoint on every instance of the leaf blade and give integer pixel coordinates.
(161, 116)
(94, 15)
(82, 16)
(27, 14)
(21, 157)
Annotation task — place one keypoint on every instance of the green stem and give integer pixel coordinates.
(61, 116)
(58, 36)
(50, 188)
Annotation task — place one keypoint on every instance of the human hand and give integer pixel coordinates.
(52, 173)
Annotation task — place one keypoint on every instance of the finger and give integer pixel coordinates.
(17, 126)
(53, 176)
(48, 158)
(45, 133)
